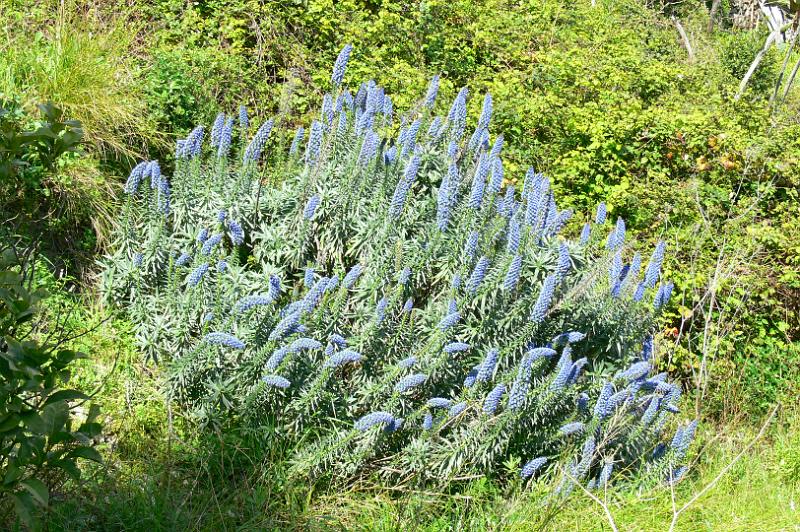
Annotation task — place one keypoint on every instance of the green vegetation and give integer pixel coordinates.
(39, 442)
(45, 186)
(604, 100)
(166, 476)
(397, 241)
(84, 65)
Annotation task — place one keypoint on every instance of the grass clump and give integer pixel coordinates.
(83, 65)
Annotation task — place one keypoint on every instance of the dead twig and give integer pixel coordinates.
(594, 497)
(773, 36)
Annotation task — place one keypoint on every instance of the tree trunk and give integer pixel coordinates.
(754, 65)
(713, 14)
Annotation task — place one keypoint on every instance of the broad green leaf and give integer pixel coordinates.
(9, 422)
(69, 467)
(55, 416)
(37, 489)
(25, 507)
(12, 474)
(89, 453)
(65, 395)
(34, 423)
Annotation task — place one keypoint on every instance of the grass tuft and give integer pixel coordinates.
(84, 65)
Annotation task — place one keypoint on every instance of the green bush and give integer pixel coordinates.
(56, 193)
(25, 156)
(602, 99)
(41, 437)
(84, 66)
(736, 54)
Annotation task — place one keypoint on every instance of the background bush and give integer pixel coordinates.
(44, 427)
(603, 100)
(605, 103)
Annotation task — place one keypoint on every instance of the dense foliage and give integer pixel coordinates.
(602, 98)
(443, 322)
(22, 151)
(43, 430)
(43, 192)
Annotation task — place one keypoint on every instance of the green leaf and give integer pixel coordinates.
(34, 423)
(91, 429)
(89, 453)
(24, 505)
(37, 489)
(94, 413)
(69, 467)
(55, 416)
(65, 356)
(65, 395)
(9, 422)
(61, 437)
(12, 475)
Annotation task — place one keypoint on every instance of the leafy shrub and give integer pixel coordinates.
(389, 307)
(737, 54)
(39, 444)
(180, 87)
(25, 155)
(172, 92)
(610, 109)
(56, 194)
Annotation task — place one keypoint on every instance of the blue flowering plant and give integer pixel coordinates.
(394, 305)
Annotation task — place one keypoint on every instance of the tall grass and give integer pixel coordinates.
(84, 65)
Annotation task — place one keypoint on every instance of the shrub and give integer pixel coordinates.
(57, 195)
(737, 53)
(394, 306)
(26, 155)
(39, 444)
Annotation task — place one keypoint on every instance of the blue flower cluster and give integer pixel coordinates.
(420, 293)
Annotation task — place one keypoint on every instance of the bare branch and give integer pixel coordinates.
(603, 505)
(790, 80)
(713, 14)
(684, 38)
(754, 65)
(787, 55)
